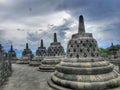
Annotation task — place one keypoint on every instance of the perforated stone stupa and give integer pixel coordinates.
(114, 56)
(40, 54)
(26, 51)
(112, 52)
(26, 55)
(83, 69)
(55, 54)
(12, 54)
(41, 51)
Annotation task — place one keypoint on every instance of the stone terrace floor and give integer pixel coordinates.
(25, 77)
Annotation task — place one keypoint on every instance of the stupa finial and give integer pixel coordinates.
(112, 44)
(41, 43)
(81, 27)
(11, 49)
(27, 46)
(55, 37)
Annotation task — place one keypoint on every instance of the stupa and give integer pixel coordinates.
(12, 54)
(84, 68)
(26, 55)
(55, 54)
(114, 57)
(41, 51)
(112, 52)
(27, 51)
(40, 54)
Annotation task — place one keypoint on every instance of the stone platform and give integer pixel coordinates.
(49, 63)
(84, 74)
(84, 68)
(23, 60)
(35, 61)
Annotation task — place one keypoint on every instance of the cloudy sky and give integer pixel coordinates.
(33, 20)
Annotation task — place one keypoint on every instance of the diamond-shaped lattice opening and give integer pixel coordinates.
(85, 55)
(77, 56)
(81, 41)
(75, 42)
(93, 49)
(71, 45)
(92, 55)
(90, 45)
(88, 49)
(84, 44)
(74, 50)
(71, 55)
(81, 50)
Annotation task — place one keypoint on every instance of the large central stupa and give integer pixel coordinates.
(84, 68)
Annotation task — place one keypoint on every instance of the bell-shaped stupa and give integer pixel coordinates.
(26, 55)
(41, 51)
(55, 54)
(40, 54)
(114, 56)
(12, 54)
(112, 52)
(84, 68)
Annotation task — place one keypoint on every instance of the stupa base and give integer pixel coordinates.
(47, 68)
(74, 85)
(49, 64)
(34, 63)
(22, 62)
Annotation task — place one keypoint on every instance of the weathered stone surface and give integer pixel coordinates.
(3, 53)
(84, 68)
(114, 56)
(5, 66)
(27, 51)
(26, 56)
(25, 77)
(49, 63)
(55, 54)
(112, 53)
(35, 61)
(41, 51)
(12, 54)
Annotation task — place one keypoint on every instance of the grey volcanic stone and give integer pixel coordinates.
(3, 53)
(55, 54)
(84, 68)
(26, 56)
(40, 54)
(114, 56)
(35, 61)
(26, 78)
(5, 66)
(12, 54)
(27, 51)
(112, 53)
(41, 51)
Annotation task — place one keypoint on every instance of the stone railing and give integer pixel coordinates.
(5, 71)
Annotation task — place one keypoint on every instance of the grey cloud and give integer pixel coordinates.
(28, 8)
(94, 10)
